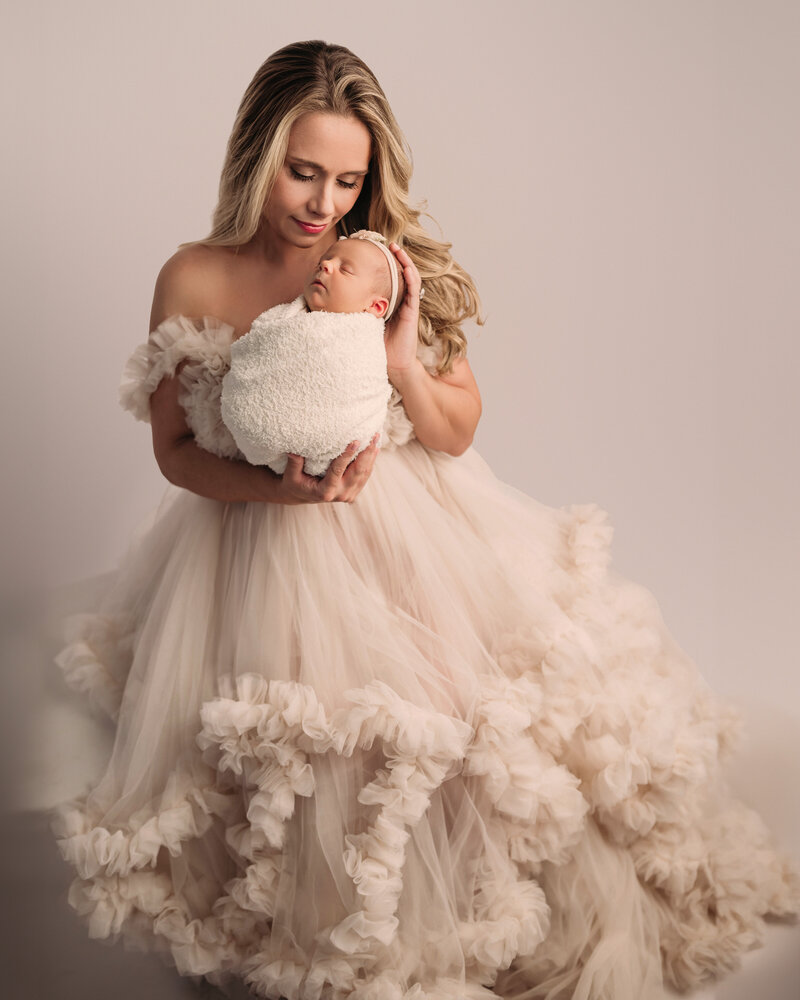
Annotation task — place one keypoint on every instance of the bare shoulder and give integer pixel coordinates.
(191, 283)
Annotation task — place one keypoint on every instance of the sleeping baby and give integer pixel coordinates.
(310, 375)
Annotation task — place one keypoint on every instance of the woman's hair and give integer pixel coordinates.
(308, 77)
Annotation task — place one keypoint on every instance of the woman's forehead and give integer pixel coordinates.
(332, 143)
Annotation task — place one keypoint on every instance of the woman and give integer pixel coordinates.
(421, 746)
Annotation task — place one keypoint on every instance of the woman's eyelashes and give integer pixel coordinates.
(350, 185)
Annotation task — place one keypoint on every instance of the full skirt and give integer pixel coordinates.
(427, 745)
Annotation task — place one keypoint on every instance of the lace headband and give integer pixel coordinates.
(377, 240)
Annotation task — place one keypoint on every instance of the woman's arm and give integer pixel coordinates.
(185, 464)
(444, 409)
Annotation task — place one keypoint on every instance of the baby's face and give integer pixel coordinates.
(348, 279)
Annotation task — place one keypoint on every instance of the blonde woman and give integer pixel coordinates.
(396, 732)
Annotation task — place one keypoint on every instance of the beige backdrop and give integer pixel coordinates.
(621, 180)
(619, 177)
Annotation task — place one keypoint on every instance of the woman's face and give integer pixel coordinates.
(326, 161)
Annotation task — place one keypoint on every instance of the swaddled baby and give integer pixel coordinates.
(310, 375)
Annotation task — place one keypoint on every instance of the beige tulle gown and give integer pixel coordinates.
(426, 745)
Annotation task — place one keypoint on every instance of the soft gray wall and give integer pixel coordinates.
(619, 177)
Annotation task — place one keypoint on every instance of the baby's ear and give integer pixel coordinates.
(378, 307)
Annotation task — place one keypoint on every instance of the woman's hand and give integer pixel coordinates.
(402, 330)
(343, 481)
(443, 408)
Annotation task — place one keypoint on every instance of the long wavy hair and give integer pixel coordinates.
(314, 76)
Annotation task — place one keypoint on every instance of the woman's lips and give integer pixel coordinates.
(310, 227)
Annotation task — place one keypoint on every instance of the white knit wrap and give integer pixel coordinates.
(305, 382)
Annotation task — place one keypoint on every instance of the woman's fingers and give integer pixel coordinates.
(294, 467)
(402, 331)
(361, 467)
(299, 487)
(339, 464)
(410, 273)
(401, 255)
(337, 467)
(358, 472)
(343, 481)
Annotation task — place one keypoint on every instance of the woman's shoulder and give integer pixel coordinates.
(193, 283)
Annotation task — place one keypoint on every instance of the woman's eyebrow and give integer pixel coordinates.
(317, 166)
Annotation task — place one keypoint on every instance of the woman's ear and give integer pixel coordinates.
(378, 306)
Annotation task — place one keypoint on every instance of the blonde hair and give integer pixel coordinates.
(314, 76)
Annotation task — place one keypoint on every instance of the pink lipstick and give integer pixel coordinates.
(309, 227)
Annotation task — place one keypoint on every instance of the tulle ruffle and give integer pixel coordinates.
(96, 659)
(203, 349)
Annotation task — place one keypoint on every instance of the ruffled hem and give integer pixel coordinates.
(185, 814)
(264, 733)
(709, 887)
(95, 644)
(279, 724)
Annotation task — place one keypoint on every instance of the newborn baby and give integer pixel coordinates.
(310, 375)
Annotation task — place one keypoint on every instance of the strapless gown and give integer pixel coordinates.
(426, 745)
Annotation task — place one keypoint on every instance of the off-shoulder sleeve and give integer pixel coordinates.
(205, 342)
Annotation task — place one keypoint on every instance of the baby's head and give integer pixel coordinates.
(356, 275)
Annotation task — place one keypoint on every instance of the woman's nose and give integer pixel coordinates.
(321, 200)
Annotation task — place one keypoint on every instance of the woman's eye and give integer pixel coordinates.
(350, 185)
